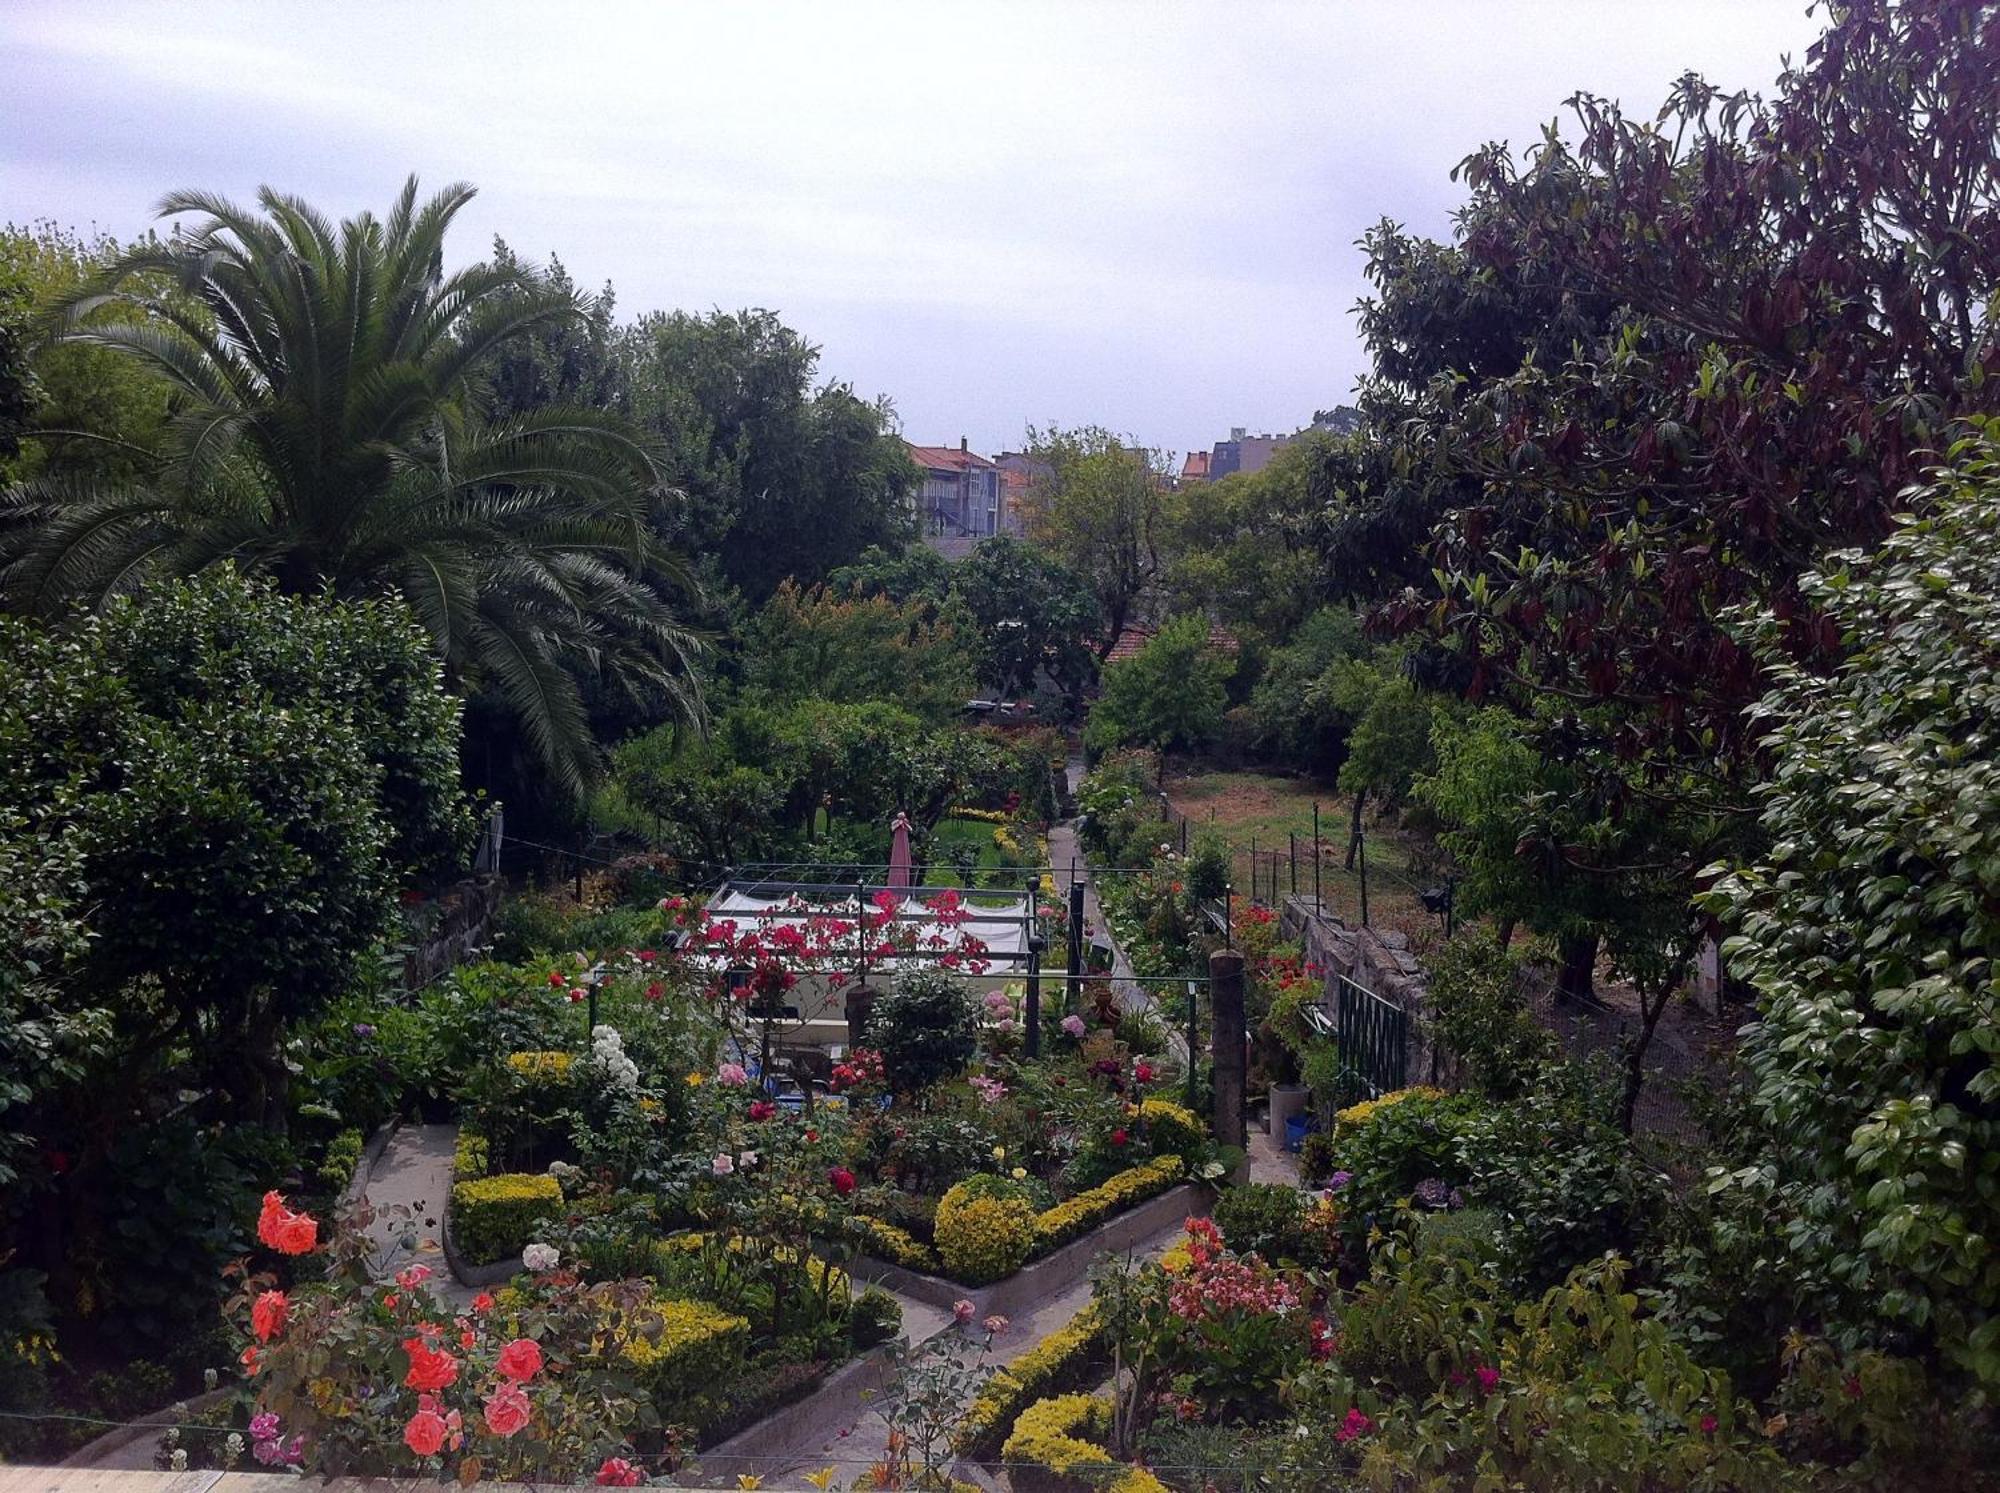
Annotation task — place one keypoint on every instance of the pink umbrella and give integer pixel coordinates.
(899, 854)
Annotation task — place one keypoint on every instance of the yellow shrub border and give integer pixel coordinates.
(492, 1217)
(899, 1245)
(1053, 1364)
(1052, 1434)
(1065, 1221)
(542, 1067)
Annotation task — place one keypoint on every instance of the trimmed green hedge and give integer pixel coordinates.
(493, 1218)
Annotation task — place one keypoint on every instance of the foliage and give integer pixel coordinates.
(1868, 929)
(356, 1377)
(812, 645)
(1174, 1130)
(925, 1027)
(983, 1237)
(782, 480)
(493, 1218)
(1060, 1361)
(924, 1406)
(1095, 506)
(1577, 1389)
(1058, 1433)
(1169, 694)
(1263, 1218)
(1479, 1015)
(1078, 1215)
(521, 546)
(1034, 616)
(698, 1347)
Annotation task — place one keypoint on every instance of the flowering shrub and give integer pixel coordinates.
(1174, 1129)
(1086, 1210)
(981, 1236)
(351, 1376)
(1062, 1435)
(493, 1218)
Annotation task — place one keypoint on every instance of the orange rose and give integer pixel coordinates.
(508, 1410)
(483, 1302)
(430, 1368)
(520, 1359)
(268, 1315)
(249, 1360)
(281, 1229)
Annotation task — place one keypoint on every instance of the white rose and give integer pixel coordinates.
(540, 1257)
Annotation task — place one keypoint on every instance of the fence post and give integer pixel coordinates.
(1361, 860)
(1318, 907)
(1253, 868)
(1031, 1008)
(1225, 999)
(1074, 996)
(1292, 842)
(1193, 1040)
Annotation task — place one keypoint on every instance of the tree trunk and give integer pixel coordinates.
(1577, 979)
(1354, 828)
(1505, 931)
(1651, 1009)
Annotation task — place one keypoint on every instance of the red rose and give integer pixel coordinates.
(556, 978)
(1118, 1136)
(762, 1109)
(424, 1434)
(520, 1359)
(268, 1314)
(1143, 1073)
(618, 1473)
(508, 1410)
(431, 1369)
(287, 1232)
(483, 1302)
(842, 1179)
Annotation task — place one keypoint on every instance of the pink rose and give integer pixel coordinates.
(508, 1410)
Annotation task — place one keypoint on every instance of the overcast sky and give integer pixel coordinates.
(1138, 215)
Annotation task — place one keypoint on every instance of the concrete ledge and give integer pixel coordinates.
(364, 1169)
(147, 1429)
(1039, 1279)
(844, 1394)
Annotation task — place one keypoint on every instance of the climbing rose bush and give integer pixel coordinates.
(353, 1376)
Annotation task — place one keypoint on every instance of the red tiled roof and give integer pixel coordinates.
(1196, 465)
(1135, 637)
(1012, 479)
(945, 458)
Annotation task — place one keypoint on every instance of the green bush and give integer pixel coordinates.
(342, 1158)
(1262, 1218)
(874, 1318)
(697, 1348)
(494, 1218)
(926, 1028)
(1478, 1015)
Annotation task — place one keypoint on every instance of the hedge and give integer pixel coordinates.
(493, 1218)
(1065, 1221)
(1060, 1361)
(898, 1246)
(700, 1348)
(1051, 1434)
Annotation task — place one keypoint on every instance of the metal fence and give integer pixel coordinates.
(1374, 1038)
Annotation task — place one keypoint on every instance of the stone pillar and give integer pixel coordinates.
(860, 1006)
(1225, 990)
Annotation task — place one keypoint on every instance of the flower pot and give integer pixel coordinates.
(1287, 1100)
(1297, 1128)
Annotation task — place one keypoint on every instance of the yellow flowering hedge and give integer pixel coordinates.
(898, 1246)
(829, 1278)
(1367, 1109)
(698, 1346)
(1086, 1210)
(984, 816)
(493, 1217)
(1059, 1361)
(469, 1156)
(982, 1238)
(542, 1067)
(1054, 1434)
(1173, 1127)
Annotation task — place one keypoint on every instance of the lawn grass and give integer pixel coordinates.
(1263, 809)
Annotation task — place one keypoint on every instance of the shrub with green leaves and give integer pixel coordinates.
(494, 1218)
(926, 1028)
(1478, 1014)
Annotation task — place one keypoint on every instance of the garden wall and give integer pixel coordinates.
(460, 925)
(1378, 960)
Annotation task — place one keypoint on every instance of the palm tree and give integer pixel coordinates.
(323, 435)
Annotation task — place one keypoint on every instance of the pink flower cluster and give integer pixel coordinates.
(1221, 1287)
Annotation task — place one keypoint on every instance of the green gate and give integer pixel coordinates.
(1374, 1042)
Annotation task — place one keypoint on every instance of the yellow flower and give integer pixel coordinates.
(694, 1080)
(999, 1153)
(748, 1480)
(1020, 1172)
(823, 1478)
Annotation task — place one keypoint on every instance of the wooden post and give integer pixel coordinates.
(1317, 906)
(1225, 999)
(1031, 1010)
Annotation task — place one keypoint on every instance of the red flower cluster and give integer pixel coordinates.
(431, 1368)
(842, 1180)
(1216, 1285)
(863, 1069)
(1356, 1424)
(619, 1473)
(281, 1229)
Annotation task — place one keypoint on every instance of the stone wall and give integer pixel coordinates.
(459, 926)
(1378, 960)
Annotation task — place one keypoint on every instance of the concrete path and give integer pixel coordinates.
(1067, 858)
(854, 1445)
(415, 1174)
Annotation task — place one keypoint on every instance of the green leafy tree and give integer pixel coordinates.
(1246, 549)
(1170, 694)
(1870, 926)
(311, 741)
(1035, 618)
(782, 480)
(321, 436)
(811, 644)
(1095, 505)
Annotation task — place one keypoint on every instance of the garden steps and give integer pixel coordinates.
(836, 1425)
(414, 1171)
